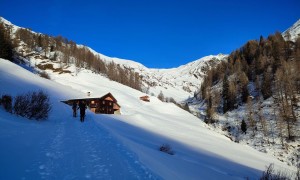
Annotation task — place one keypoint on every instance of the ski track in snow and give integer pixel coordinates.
(96, 154)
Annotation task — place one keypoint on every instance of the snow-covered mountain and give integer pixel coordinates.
(114, 146)
(293, 32)
(179, 83)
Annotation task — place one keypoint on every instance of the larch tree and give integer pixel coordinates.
(243, 79)
(285, 96)
(250, 115)
(225, 94)
(6, 48)
(266, 86)
(262, 121)
(210, 111)
(232, 98)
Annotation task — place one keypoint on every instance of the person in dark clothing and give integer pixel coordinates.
(82, 107)
(74, 107)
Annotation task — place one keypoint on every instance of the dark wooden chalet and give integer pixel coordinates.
(106, 104)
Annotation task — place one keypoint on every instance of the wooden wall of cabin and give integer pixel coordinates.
(105, 107)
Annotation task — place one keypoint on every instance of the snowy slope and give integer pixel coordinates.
(293, 32)
(60, 148)
(179, 83)
(114, 146)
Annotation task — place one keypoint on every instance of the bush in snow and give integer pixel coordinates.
(7, 102)
(32, 105)
(167, 149)
(43, 74)
(270, 174)
(22, 105)
(161, 96)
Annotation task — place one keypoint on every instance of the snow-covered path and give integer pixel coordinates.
(65, 148)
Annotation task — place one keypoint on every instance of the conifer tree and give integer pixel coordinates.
(6, 48)
(232, 101)
(267, 85)
(209, 118)
(250, 115)
(225, 94)
(186, 107)
(244, 126)
(263, 122)
(244, 86)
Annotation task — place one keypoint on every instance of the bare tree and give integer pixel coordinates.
(285, 96)
(250, 114)
(263, 122)
(210, 109)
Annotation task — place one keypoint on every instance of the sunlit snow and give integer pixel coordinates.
(114, 146)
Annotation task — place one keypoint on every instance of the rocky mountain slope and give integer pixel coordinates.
(293, 32)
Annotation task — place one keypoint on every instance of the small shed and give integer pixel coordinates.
(106, 104)
(145, 98)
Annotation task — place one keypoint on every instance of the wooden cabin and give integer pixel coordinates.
(145, 98)
(106, 104)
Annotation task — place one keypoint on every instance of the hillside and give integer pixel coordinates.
(257, 87)
(114, 146)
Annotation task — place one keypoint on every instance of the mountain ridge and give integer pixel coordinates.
(179, 83)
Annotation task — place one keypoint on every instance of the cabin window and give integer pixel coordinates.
(110, 103)
(103, 102)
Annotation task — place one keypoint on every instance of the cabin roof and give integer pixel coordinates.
(103, 97)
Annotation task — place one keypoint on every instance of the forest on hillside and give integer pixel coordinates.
(61, 50)
(268, 68)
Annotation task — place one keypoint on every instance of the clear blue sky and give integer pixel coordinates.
(156, 33)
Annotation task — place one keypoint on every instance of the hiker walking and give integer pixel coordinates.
(82, 107)
(74, 107)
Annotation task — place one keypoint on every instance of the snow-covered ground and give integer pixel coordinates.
(114, 146)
